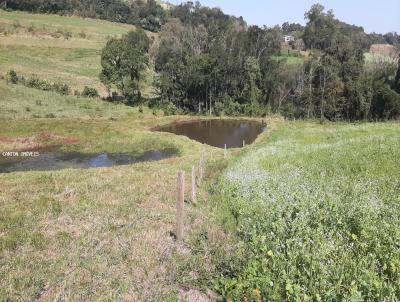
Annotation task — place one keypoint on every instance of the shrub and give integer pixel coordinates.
(35, 82)
(233, 109)
(12, 77)
(252, 109)
(82, 35)
(219, 109)
(61, 88)
(90, 92)
(170, 109)
(31, 28)
(67, 35)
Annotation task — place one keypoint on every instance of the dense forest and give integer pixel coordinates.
(206, 61)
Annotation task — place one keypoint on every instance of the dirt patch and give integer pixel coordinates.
(384, 49)
(42, 140)
(194, 295)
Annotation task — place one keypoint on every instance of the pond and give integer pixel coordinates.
(48, 161)
(217, 133)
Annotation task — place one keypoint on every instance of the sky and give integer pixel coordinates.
(379, 16)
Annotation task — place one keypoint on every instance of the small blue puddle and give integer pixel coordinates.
(75, 160)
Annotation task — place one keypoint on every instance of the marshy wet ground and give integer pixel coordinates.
(217, 133)
(51, 161)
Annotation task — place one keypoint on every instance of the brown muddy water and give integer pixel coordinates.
(217, 133)
(52, 161)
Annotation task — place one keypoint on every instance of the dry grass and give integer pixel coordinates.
(100, 234)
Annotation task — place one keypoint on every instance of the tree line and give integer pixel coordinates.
(150, 15)
(209, 62)
(145, 13)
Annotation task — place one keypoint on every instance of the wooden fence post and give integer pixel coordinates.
(201, 171)
(244, 143)
(193, 185)
(225, 152)
(179, 205)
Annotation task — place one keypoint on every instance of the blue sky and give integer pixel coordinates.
(380, 16)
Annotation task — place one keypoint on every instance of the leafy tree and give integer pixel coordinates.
(292, 27)
(122, 60)
(385, 102)
(320, 29)
(252, 77)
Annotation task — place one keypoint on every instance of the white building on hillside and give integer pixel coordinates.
(287, 39)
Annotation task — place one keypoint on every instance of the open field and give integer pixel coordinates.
(105, 234)
(57, 48)
(316, 213)
(101, 234)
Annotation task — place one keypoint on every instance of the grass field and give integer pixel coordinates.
(57, 48)
(308, 212)
(316, 213)
(19, 102)
(100, 234)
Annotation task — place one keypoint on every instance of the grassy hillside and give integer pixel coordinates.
(315, 211)
(19, 102)
(56, 48)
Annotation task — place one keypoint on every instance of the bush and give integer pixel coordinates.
(82, 35)
(90, 92)
(62, 32)
(232, 108)
(219, 109)
(60, 88)
(12, 77)
(35, 82)
(170, 109)
(253, 109)
(31, 28)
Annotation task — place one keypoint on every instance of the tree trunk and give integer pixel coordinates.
(210, 102)
(323, 96)
(310, 98)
